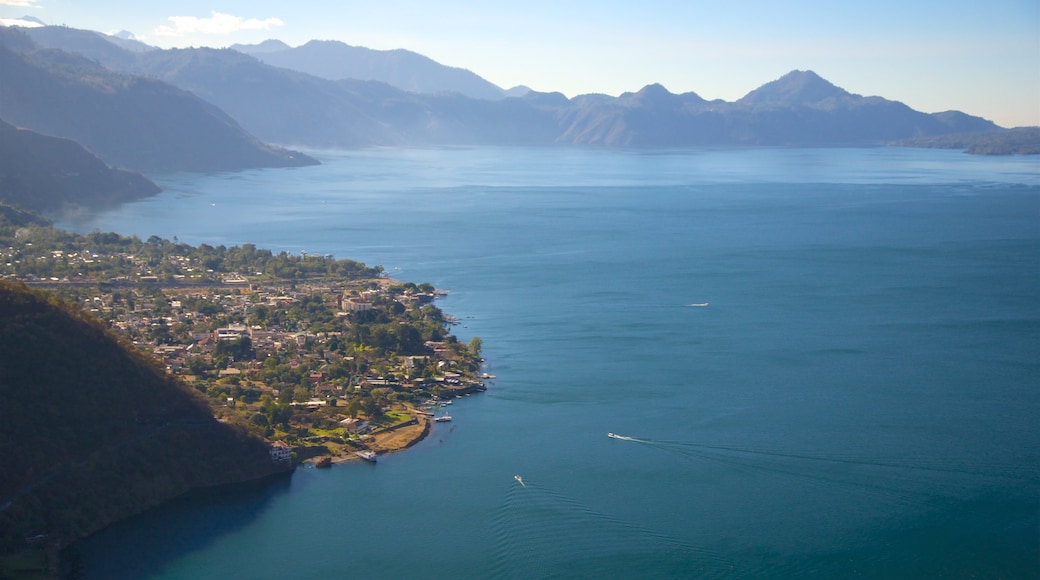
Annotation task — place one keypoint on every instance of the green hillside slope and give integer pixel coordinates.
(92, 431)
(44, 173)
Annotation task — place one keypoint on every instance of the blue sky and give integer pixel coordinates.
(982, 58)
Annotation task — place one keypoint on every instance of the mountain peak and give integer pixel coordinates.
(654, 90)
(652, 93)
(797, 87)
(269, 45)
(518, 91)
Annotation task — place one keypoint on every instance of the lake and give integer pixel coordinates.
(823, 361)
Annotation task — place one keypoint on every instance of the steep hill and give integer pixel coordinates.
(46, 174)
(129, 121)
(92, 431)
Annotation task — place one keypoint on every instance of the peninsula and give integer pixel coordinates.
(300, 357)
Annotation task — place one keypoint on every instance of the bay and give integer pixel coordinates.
(858, 396)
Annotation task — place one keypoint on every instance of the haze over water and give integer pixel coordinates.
(826, 360)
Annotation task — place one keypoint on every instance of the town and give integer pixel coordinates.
(326, 358)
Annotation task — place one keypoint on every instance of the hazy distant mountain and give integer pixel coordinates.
(650, 117)
(285, 106)
(796, 88)
(291, 107)
(517, 91)
(129, 121)
(265, 47)
(404, 69)
(47, 173)
(799, 109)
(280, 105)
(102, 48)
(127, 40)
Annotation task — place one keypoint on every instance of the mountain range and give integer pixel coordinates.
(404, 69)
(315, 106)
(129, 121)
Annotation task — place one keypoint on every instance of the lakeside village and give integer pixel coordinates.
(328, 359)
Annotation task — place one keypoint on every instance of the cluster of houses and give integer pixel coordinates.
(136, 313)
(181, 311)
(87, 266)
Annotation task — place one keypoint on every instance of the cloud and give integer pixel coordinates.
(218, 23)
(22, 3)
(19, 22)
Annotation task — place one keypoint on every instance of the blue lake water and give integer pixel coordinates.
(858, 398)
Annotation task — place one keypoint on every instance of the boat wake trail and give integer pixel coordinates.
(919, 483)
(540, 532)
(624, 438)
(916, 465)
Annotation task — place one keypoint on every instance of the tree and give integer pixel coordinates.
(354, 407)
(197, 365)
(286, 395)
(260, 419)
(239, 348)
(370, 407)
(475, 345)
(266, 403)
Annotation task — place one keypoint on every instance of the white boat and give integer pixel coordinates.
(520, 480)
(367, 455)
(442, 419)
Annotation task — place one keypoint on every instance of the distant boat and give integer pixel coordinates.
(367, 455)
(442, 419)
(613, 436)
(700, 305)
(520, 480)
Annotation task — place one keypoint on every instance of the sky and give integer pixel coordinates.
(982, 58)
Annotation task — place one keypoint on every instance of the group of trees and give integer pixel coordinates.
(33, 242)
(344, 347)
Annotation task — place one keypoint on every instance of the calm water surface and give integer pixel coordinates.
(859, 397)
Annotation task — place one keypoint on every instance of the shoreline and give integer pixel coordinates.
(393, 440)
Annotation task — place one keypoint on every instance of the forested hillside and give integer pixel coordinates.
(44, 173)
(92, 431)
